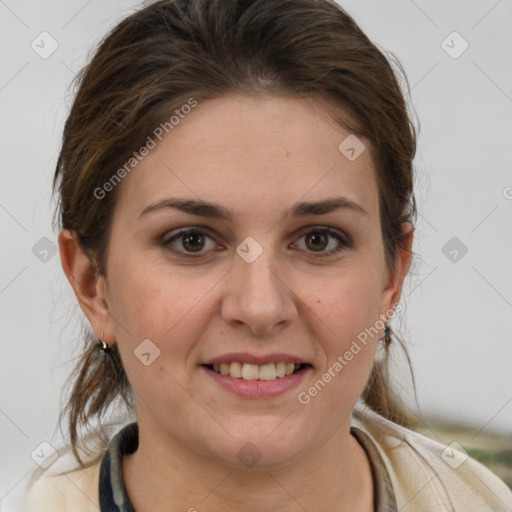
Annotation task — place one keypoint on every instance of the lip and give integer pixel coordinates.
(258, 388)
(247, 357)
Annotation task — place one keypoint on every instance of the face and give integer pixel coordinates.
(244, 240)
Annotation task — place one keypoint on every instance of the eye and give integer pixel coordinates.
(322, 240)
(195, 242)
(189, 243)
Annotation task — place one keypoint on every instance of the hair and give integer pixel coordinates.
(158, 58)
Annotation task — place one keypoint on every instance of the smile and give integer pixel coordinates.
(258, 381)
(248, 371)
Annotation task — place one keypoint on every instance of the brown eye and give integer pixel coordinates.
(189, 241)
(323, 240)
(317, 241)
(193, 242)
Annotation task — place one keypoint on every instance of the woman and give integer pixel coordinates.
(236, 211)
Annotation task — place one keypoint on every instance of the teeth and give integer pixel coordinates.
(249, 371)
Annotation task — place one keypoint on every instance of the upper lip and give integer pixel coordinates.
(247, 357)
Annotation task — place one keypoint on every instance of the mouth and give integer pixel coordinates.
(264, 372)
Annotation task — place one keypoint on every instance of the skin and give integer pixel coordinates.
(256, 156)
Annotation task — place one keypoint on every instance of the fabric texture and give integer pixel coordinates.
(411, 473)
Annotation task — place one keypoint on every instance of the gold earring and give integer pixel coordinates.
(104, 346)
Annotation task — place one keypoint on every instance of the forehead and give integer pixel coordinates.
(253, 155)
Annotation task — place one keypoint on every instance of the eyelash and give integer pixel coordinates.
(342, 239)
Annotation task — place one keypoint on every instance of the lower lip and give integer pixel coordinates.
(258, 388)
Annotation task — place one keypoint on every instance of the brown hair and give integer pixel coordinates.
(154, 61)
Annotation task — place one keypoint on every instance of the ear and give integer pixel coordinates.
(89, 287)
(395, 279)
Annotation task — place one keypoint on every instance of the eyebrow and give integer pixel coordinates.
(215, 211)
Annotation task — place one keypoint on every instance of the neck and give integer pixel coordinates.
(166, 476)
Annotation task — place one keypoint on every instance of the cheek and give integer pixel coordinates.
(345, 304)
(171, 310)
(344, 313)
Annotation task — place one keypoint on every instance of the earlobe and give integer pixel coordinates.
(86, 283)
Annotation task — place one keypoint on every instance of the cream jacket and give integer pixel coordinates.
(425, 475)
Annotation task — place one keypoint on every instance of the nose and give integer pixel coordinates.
(257, 297)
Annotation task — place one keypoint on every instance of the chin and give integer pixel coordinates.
(265, 445)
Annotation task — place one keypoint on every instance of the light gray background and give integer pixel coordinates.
(458, 314)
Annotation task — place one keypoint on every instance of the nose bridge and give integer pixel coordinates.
(257, 277)
(257, 296)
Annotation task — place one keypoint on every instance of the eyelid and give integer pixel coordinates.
(175, 233)
(324, 228)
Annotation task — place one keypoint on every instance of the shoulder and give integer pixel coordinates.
(428, 475)
(64, 486)
(61, 483)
